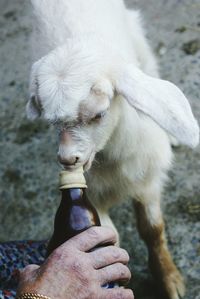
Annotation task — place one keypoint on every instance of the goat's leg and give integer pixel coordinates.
(151, 228)
(106, 221)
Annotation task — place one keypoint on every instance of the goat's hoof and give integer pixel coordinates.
(172, 285)
(169, 280)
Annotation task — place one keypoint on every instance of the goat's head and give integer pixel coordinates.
(70, 88)
(75, 86)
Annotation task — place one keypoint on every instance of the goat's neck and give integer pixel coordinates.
(123, 141)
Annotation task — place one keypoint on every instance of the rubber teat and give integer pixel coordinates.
(72, 179)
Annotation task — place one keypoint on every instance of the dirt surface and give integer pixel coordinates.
(28, 166)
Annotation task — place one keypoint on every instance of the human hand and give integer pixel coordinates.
(73, 271)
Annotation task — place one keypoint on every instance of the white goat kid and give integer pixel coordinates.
(97, 79)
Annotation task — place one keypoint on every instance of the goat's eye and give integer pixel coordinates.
(99, 116)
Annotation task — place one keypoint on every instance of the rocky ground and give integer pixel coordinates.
(28, 167)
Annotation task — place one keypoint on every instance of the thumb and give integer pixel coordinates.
(28, 271)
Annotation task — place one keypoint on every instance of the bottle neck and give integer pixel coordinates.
(73, 194)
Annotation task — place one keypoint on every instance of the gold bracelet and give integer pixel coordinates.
(32, 296)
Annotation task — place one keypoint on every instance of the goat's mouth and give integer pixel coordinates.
(86, 164)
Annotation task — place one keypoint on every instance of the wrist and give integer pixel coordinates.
(32, 296)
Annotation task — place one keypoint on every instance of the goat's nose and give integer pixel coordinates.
(68, 161)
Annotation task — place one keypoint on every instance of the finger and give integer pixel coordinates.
(115, 272)
(28, 270)
(105, 256)
(117, 293)
(28, 274)
(92, 237)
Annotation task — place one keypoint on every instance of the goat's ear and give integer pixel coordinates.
(33, 107)
(162, 101)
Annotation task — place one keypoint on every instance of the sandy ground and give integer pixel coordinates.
(28, 167)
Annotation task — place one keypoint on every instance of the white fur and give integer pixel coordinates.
(96, 57)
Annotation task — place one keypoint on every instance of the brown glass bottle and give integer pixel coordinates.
(75, 213)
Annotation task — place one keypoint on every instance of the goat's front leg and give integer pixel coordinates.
(151, 228)
(106, 221)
